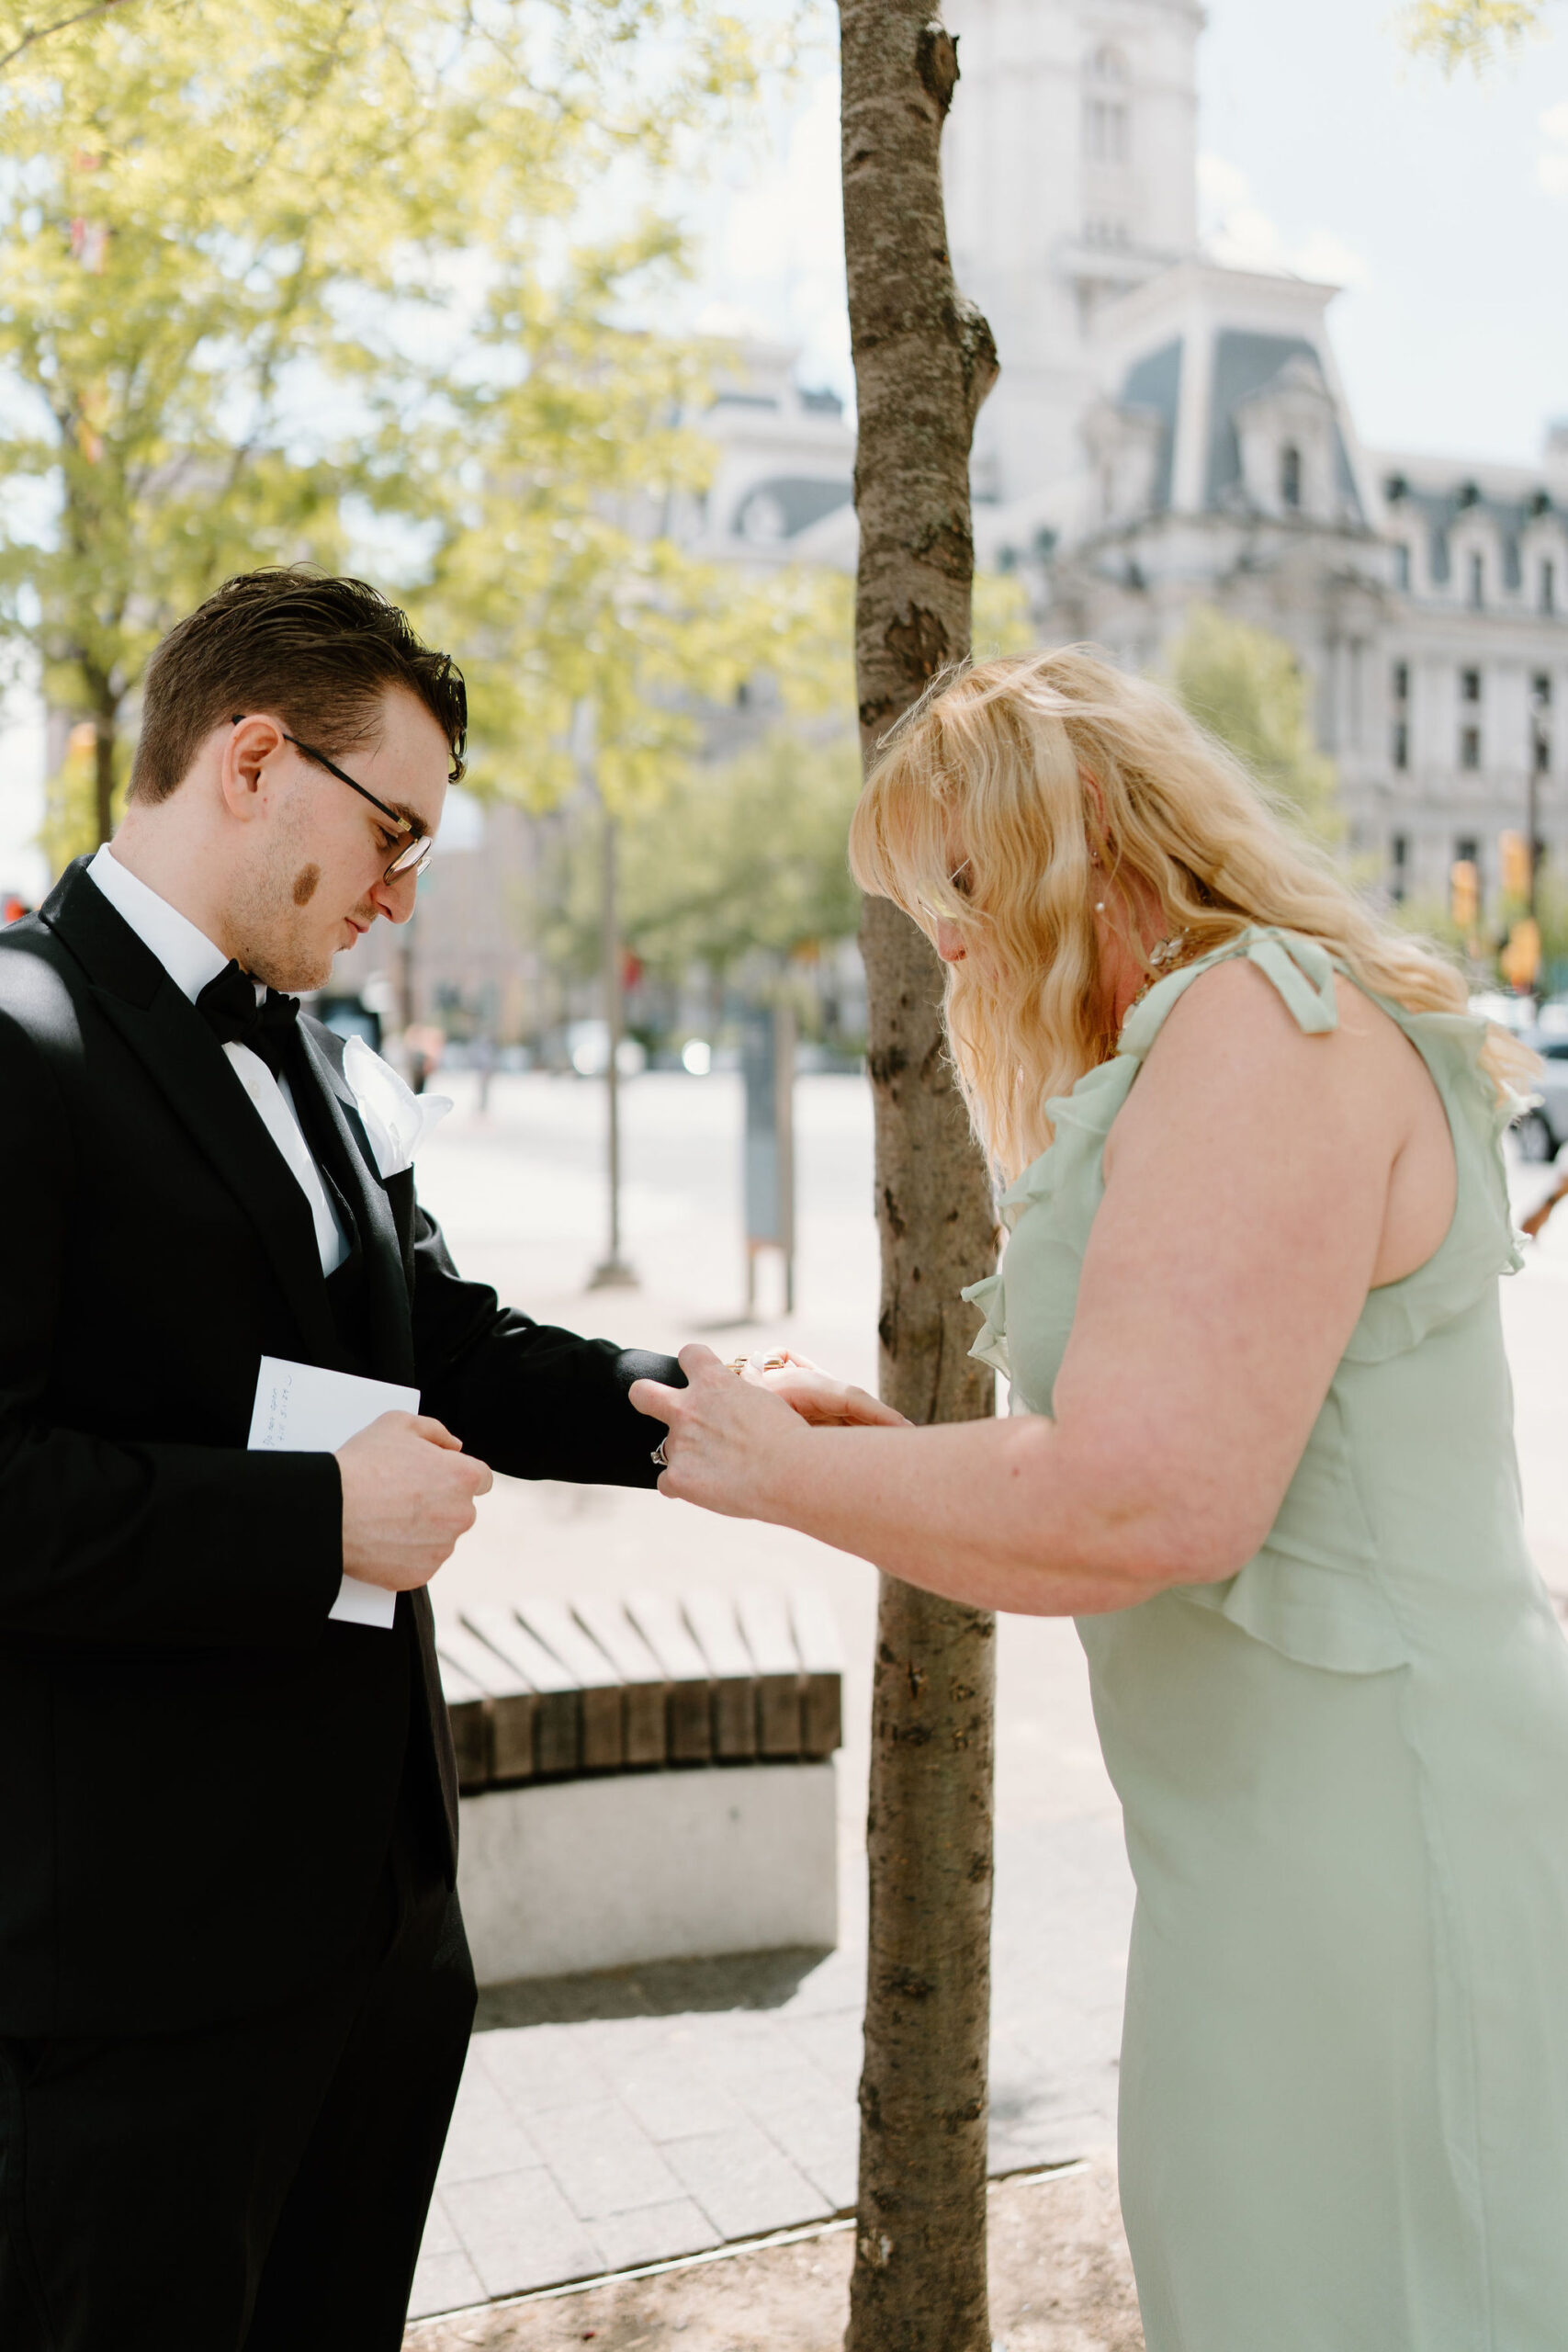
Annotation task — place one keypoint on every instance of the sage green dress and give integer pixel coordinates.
(1344, 1772)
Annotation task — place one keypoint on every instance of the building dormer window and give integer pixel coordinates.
(1475, 576)
(1291, 478)
(1107, 130)
(1105, 135)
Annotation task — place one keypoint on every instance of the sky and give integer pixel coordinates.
(1441, 209)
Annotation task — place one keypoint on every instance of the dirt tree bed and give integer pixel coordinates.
(1061, 2281)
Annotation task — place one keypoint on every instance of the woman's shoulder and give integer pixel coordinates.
(1276, 1015)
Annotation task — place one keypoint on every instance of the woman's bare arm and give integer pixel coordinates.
(1245, 1218)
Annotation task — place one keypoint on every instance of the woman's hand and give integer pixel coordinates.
(820, 1399)
(732, 1446)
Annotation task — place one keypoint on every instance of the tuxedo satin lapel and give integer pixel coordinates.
(174, 1044)
(391, 1326)
(171, 1041)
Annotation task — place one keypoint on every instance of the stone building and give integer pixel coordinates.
(1166, 432)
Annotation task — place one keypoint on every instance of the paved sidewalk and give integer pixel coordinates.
(606, 2123)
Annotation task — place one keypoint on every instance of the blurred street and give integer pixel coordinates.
(610, 2123)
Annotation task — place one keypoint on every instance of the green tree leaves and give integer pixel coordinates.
(1245, 685)
(272, 276)
(1467, 32)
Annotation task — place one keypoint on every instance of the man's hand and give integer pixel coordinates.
(408, 1494)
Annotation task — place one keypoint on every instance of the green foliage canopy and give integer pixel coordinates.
(1245, 686)
(749, 852)
(1467, 32)
(275, 275)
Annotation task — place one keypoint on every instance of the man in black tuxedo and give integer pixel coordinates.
(234, 1990)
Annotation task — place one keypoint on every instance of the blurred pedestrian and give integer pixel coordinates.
(423, 1046)
(484, 1063)
(1534, 1224)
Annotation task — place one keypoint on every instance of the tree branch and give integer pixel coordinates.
(62, 24)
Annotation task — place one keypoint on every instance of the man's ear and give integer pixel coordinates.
(248, 747)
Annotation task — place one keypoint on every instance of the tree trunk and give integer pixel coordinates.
(924, 361)
(103, 775)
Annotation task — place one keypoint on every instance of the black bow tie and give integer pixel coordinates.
(236, 1016)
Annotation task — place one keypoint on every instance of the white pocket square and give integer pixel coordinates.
(398, 1121)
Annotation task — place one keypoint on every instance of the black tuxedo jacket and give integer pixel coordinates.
(198, 1771)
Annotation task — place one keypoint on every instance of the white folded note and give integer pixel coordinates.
(303, 1409)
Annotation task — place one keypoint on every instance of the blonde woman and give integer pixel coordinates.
(1261, 1449)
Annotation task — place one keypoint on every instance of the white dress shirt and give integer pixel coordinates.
(191, 960)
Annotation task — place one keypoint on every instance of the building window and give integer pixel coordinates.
(1548, 587)
(1477, 575)
(1399, 867)
(1467, 850)
(1401, 744)
(1470, 686)
(1540, 690)
(1291, 476)
(1470, 747)
(1401, 568)
(1399, 681)
(1540, 747)
(1106, 137)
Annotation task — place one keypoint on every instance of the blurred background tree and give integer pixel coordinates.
(1245, 686)
(300, 282)
(740, 855)
(726, 858)
(1467, 32)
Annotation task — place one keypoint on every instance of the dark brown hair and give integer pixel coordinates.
(317, 652)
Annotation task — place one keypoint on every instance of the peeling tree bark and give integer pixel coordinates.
(924, 361)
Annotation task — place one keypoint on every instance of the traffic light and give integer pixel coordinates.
(1465, 895)
(1514, 855)
(1520, 959)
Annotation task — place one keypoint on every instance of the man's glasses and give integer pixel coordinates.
(414, 855)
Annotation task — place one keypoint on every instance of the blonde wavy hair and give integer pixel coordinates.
(987, 808)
